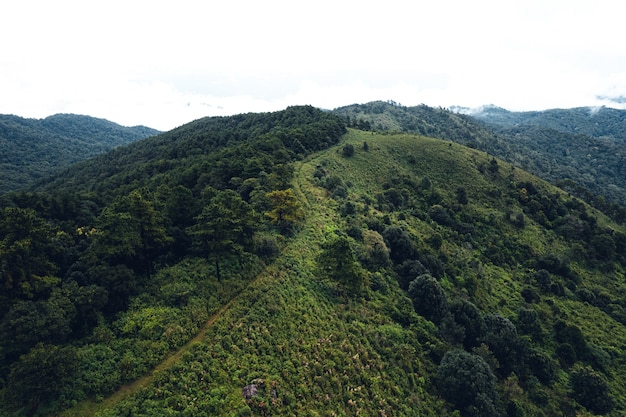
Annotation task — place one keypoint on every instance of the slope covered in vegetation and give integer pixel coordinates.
(99, 285)
(31, 149)
(367, 274)
(578, 149)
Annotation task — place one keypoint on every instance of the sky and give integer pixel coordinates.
(165, 63)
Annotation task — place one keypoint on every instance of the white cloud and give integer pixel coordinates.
(163, 64)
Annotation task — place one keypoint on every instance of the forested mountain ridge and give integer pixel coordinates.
(207, 151)
(581, 149)
(596, 122)
(367, 273)
(34, 148)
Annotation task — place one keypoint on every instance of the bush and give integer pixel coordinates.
(590, 390)
(528, 323)
(348, 150)
(399, 243)
(566, 354)
(530, 295)
(501, 337)
(266, 246)
(542, 366)
(571, 334)
(466, 381)
(409, 270)
(376, 250)
(429, 299)
(468, 316)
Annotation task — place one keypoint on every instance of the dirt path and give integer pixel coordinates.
(90, 407)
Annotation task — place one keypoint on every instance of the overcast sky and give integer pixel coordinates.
(166, 63)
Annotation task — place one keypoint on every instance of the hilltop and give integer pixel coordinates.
(35, 148)
(581, 149)
(326, 270)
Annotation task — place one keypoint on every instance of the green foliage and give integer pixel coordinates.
(30, 322)
(400, 244)
(225, 226)
(471, 320)
(210, 151)
(571, 335)
(466, 381)
(266, 246)
(530, 303)
(542, 366)
(26, 245)
(591, 390)
(338, 262)
(376, 251)
(558, 145)
(285, 209)
(40, 375)
(348, 150)
(507, 347)
(143, 213)
(429, 298)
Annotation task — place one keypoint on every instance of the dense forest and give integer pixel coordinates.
(35, 148)
(581, 149)
(283, 264)
(86, 266)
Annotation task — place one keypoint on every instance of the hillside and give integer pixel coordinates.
(580, 149)
(327, 272)
(34, 148)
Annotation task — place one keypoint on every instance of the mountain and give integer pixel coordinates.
(34, 148)
(595, 122)
(281, 264)
(581, 149)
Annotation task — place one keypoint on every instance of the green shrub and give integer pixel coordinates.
(429, 298)
(590, 390)
(466, 381)
(469, 317)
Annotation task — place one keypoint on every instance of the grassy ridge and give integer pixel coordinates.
(313, 352)
(322, 354)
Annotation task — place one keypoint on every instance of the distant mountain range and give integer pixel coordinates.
(34, 148)
(597, 122)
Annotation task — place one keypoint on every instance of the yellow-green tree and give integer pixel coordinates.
(286, 210)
